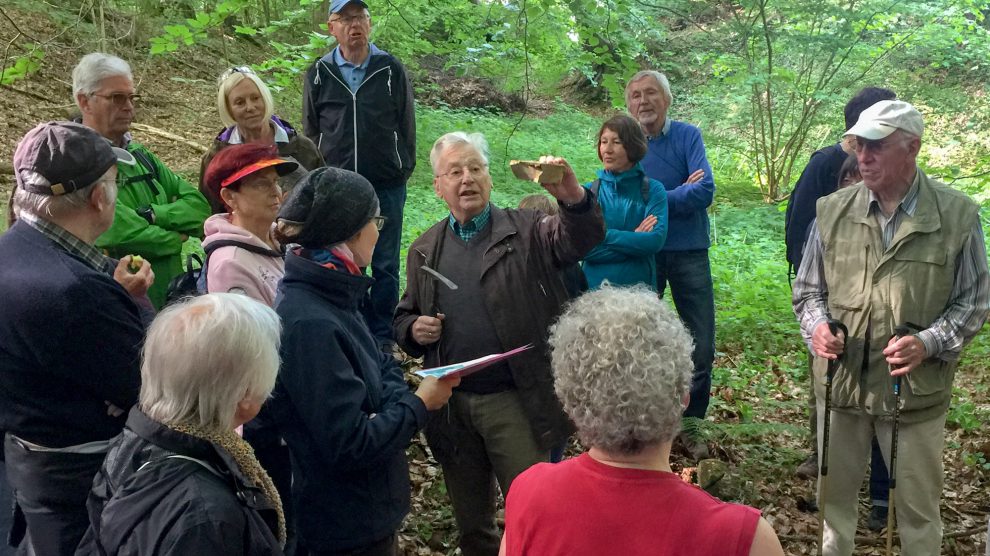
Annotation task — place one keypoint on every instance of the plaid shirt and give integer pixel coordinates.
(472, 228)
(73, 245)
(964, 314)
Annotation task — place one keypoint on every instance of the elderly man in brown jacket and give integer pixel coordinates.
(505, 265)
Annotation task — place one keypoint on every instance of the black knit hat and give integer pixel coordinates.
(331, 205)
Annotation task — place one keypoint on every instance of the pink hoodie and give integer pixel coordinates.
(232, 268)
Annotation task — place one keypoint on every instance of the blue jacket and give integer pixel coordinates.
(626, 257)
(671, 158)
(344, 410)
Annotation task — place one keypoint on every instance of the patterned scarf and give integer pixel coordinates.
(243, 455)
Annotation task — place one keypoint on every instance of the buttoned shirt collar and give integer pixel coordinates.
(663, 130)
(908, 204)
(473, 226)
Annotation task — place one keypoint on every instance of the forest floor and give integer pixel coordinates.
(757, 421)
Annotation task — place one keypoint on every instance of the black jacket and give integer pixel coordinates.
(344, 410)
(524, 295)
(70, 340)
(819, 178)
(372, 131)
(150, 499)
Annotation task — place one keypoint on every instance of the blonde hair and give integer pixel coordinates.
(230, 82)
(204, 355)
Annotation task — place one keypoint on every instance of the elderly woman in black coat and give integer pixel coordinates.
(178, 480)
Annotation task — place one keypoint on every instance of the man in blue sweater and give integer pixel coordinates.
(676, 157)
(70, 330)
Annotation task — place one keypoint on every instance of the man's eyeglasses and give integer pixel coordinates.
(475, 170)
(120, 99)
(859, 144)
(350, 19)
(231, 71)
(379, 222)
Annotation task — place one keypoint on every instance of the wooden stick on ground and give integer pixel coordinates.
(167, 135)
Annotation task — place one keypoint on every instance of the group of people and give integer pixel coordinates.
(270, 416)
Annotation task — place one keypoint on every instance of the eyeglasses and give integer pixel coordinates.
(859, 144)
(351, 19)
(120, 99)
(475, 170)
(379, 222)
(231, 71)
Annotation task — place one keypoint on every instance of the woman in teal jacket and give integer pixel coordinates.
(634, 207)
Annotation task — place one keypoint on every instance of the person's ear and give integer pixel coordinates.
(227, 196)
(82, 100)
(436, 186)
(99, 199)
(685, 400)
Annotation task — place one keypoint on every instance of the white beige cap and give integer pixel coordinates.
(885, 117)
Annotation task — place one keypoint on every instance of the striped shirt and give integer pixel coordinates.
(72, 244)
(969, 301)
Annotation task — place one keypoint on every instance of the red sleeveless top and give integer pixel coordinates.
(584, 507)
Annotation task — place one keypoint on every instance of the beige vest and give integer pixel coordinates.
(871, 290)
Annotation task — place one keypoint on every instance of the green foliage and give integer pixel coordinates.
(23, 66)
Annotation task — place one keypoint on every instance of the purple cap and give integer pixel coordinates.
(56, 158)
(337, 5)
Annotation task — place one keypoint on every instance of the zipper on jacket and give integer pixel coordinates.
(544, 290)
(354, 103)
(397, 157)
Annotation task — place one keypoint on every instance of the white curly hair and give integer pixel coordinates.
(622, 367)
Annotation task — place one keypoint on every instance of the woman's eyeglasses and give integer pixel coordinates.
(379, 222)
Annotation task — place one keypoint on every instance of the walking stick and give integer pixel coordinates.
(899, 332)
(834, 327)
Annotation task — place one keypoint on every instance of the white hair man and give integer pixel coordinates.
(901, 250)
(506, 265)
(70, 330)
(675, 156)
(156, 209)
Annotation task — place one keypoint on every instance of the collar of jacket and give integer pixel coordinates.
(926, 217)
(340, 288)
(186, 445)
(290, 132)
(502, 229)
(636, 171)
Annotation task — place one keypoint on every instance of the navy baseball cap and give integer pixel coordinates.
(337, 5)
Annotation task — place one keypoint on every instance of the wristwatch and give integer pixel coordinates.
(147, 213)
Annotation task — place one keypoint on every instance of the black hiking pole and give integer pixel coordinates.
(834, 327)
(899, 332)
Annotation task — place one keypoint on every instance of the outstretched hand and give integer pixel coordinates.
(568, 191)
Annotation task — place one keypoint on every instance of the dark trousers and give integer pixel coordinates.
(494, 444)
(51, 489)
(6, 513)
(879, 476)
(689, 275)
(380, 304)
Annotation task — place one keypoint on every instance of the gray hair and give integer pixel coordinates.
(622, 365)
(456, 138)
(660, 78)
(204, 355)
(55, 206)
(93, 68)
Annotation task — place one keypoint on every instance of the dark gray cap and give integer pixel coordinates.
(56, 158)
(331, 205)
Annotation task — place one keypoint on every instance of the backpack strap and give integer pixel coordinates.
(595, 186)
(243, 245)
(152, 174)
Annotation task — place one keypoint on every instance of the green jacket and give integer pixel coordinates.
(871, 290)
(179, 209)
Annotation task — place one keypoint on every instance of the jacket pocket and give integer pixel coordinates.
(930, 378)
